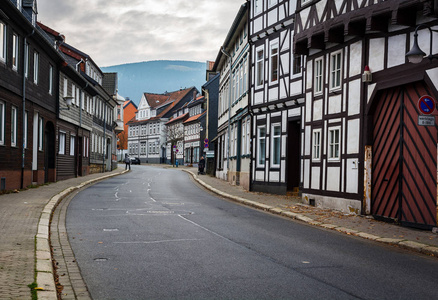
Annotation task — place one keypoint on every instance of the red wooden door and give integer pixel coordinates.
(404, 179)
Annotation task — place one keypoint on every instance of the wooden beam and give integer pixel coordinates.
(334, 35)
(316, 41)
(378, 23)
(404, 16)
(356, 28)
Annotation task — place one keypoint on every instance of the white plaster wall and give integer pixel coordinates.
(333, 175)
(371, 88)
(293, 112)
(396, 50)
(283, 173)
(308, 107)
(352, 176)
(317, 110)
(320, 8)
(307, 134)
(377, 56)
(353, 136)
(306, 173)
(274, 176)
(356, 58)
(258, 24)
(260, 175)
(272, 17)
(258, 98)
(335, 104)
(316, 176)
(284, 64)
(273, 94)
(354, 97)
(295, 87)
(309, 73)
(433, 75)
(283, 88)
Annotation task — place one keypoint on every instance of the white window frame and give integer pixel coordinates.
(26, 124)
(72, 145)
(275, 145)
(274, 61)
(26, 60)
(318, 69)
(62, 137)
(260, 67)
(14, 120)
(336, 70)
(3, 42)
(334, 146)
(65, 87)
(261, 143)
(2, 122)
(40, 133)
(316, 145)
(50, 79)
(36, 67)
(15, 51)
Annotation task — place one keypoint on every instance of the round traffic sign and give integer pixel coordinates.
(426, 104)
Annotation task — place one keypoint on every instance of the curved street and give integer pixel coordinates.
(153, 233)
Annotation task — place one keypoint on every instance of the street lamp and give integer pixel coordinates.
(68, 100)
(416, 55)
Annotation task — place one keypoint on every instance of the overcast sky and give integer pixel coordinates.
(120, 31)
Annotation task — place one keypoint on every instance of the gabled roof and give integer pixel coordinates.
(194, 118)
(156, 100)
(180, 118)
(127, 102)
(172, 99)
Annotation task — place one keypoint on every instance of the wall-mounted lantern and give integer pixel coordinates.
(416, 55)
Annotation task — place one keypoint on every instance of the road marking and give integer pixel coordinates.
(157, 242)
(113, 229)
(206, 229)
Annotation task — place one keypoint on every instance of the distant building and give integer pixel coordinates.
(194, 131)
(129, 111)
(147, 136)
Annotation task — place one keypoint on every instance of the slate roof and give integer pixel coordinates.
(109, 83)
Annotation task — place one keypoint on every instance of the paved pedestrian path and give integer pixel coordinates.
(25, 255)
(21, 220)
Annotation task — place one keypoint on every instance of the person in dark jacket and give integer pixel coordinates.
(201, 165)
(127, 162)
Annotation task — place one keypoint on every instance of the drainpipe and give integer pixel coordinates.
(23, 153)
(229, 110)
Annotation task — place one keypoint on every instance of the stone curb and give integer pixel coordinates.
(414, 246)
(44, 268)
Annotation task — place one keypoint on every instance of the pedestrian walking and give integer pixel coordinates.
(127, 162)
(201, 165)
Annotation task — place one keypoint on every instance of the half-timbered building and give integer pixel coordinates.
(366, 146)
(232, 62)
(276, 89)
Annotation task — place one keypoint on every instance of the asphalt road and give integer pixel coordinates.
(154, 234)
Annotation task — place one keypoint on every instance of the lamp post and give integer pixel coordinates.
(416, 55)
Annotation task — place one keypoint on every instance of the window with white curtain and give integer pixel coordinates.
(61, 142)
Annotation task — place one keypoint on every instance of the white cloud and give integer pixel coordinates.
(117, 31)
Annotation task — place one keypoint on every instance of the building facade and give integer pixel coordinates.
(365, 148)
(29, 75)
(277, 100)
(147, 133)
(233, 139)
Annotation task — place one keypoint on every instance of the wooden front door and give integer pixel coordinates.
(404, 177)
